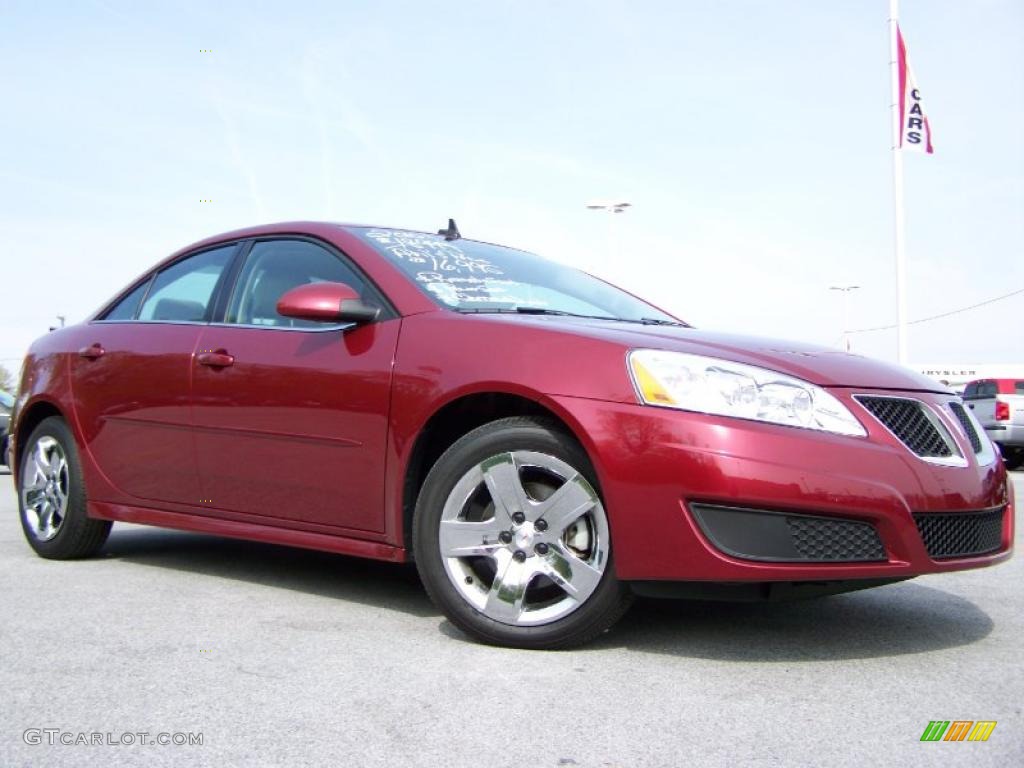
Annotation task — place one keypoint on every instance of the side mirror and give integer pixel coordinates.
(326, 303)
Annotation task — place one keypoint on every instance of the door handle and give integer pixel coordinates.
(218, 359)
(92, 352)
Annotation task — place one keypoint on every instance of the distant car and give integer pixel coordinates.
(542, 444)
(999, 405)
(6, 404)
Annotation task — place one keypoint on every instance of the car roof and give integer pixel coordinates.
(320, 228)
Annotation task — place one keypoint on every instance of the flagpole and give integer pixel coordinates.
(897, 187)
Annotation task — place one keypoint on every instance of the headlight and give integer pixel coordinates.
(724, 388)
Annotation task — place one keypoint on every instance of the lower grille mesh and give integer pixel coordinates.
(817, 538)
(961, 535)
(760, 534)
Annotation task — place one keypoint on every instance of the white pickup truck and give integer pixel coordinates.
(999, 405)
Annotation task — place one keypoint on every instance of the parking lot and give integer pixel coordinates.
(286, 657)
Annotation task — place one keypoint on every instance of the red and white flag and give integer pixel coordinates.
(915, 132)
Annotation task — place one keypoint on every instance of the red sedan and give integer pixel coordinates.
(542, 444)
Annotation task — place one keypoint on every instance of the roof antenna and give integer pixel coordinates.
(452, 233)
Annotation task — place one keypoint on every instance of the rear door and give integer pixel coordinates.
(291, 416)
(131, 380)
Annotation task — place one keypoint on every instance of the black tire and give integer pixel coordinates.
(1014, 458)
(77, 535)
(588, 617)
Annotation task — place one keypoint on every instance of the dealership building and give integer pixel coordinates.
(956, 376)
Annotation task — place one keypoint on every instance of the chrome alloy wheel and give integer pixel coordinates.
(524, 538)
(45, 488)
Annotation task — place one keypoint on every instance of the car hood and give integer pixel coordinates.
(823, 366)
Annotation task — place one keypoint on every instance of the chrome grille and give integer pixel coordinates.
(911, 424)
(965, 422)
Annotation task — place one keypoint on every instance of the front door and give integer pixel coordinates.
(290, 416)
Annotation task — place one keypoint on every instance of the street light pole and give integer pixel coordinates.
(607, 205)
(610, 207)
(846, 289)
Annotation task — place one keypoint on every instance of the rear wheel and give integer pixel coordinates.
(51, 496)
(512, 541)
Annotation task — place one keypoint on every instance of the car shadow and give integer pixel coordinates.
(370, 582)
(898, 619)
(893, 620)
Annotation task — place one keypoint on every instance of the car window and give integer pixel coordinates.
(182, 292)
(6, 400)
(971, 390)
(274, 267)
(1018, 387)
(988, 389)
(126, 308)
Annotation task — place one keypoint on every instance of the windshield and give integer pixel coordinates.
(6, 400)
(468, 276)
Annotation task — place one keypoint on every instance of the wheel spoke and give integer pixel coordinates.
(37, 483)
(574, 498)
(40, 460)
(502, 477)
(508, 591)
(460, 538)
(45, 517)
(34, 501)
(577, 578)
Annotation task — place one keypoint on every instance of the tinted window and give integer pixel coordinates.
(182, 292)
(126, 308)
(469, 276)
(971, 390)
(1018, 387)
(987, 389)
(273, 268)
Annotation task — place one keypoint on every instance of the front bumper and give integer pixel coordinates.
(655, 464)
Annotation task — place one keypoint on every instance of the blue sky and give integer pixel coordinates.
(751, 137)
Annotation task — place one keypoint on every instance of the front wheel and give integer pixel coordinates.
(512, 541)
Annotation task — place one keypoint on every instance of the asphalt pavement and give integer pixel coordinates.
(278, 656)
